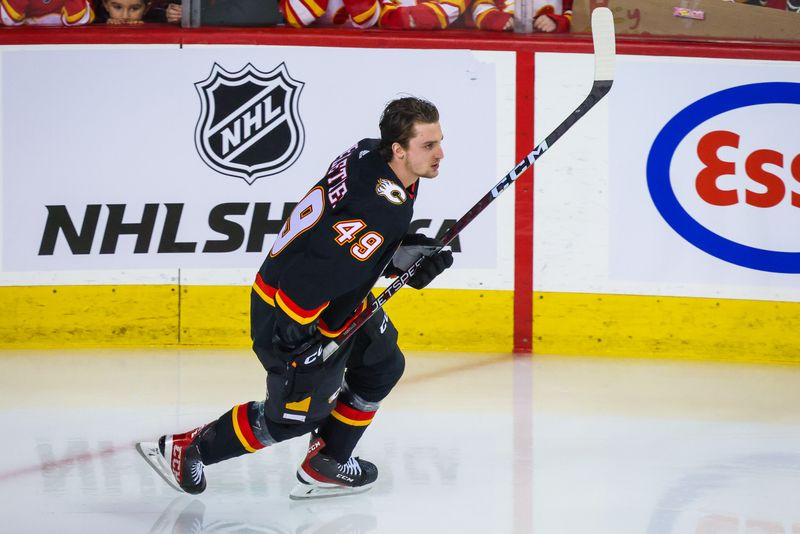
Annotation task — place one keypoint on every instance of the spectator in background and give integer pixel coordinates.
(173, 13)
(420, 14)
(164, 11)
(125, 11)
(498, 15)
(138, 11)
(46, 12)
(393, 15)
(341, 13)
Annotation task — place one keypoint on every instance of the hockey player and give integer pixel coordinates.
(498, 15)
(341, 237)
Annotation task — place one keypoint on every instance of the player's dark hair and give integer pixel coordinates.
(398, 119)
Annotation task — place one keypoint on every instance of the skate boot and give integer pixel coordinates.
(322, 476)
(176, 458)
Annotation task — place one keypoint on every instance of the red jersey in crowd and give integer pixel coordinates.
(345, 13)
(46, 12)
(420, 14)
(495, 14)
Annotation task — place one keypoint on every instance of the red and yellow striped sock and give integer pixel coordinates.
(231, 435)
(342, 430)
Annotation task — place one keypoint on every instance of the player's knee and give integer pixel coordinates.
(397, 365)
(375, 382)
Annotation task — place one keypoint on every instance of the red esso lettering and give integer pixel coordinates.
(775, 188)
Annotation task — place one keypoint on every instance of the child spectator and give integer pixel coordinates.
(46, 12)
(130, 11)
(498, 15)
(125, 11)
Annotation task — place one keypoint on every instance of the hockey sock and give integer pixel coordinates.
(234, 434)
(342, 430)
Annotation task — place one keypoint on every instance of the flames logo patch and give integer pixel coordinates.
(391, 191)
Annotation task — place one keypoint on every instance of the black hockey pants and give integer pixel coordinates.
(370, 362)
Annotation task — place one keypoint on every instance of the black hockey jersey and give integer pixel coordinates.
(337, 241)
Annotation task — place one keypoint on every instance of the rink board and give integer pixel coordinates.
(613, 269)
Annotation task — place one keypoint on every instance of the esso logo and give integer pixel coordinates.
(724, 173)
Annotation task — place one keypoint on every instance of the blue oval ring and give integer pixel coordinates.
(658, 178)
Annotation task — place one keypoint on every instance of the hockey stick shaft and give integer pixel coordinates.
(604, 47)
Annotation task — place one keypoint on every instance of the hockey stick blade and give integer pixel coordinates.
(604, 43)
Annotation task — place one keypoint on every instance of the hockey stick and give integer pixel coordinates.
(604, 53)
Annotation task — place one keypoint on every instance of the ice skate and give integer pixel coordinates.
(322, 476)
(176, 459)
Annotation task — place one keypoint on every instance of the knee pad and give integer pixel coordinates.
(373, 382)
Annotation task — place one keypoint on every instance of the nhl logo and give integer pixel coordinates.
(249, 124)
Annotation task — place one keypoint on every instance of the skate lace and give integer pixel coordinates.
(352, 467)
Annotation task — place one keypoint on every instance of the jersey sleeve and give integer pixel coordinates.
(77, 13)
(426, 15)
(12, 12)
(363, 13)
(492, 15)
(302, 13)
(50, 13)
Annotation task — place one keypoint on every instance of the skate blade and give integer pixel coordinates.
(307, 491)
(151, 454)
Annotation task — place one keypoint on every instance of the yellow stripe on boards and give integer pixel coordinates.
(219, 316)
(215, 316)
(465, 320)
(88, 316)
(666, 327)
(428, 320)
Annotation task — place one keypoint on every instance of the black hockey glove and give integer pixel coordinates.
(301, 348)
(412, 247)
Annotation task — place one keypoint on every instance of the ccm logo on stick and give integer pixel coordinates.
(731, 177)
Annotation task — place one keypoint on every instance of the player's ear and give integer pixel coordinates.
(398, 152)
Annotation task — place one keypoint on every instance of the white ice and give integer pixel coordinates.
(467, 443)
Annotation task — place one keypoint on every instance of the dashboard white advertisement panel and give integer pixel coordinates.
(135, 158)
(684, 181)
(705, 172)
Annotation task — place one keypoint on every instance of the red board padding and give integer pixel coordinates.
(375, 38)
(523, 209)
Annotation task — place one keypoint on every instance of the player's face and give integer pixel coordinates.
(125, 10)
(424, 150)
